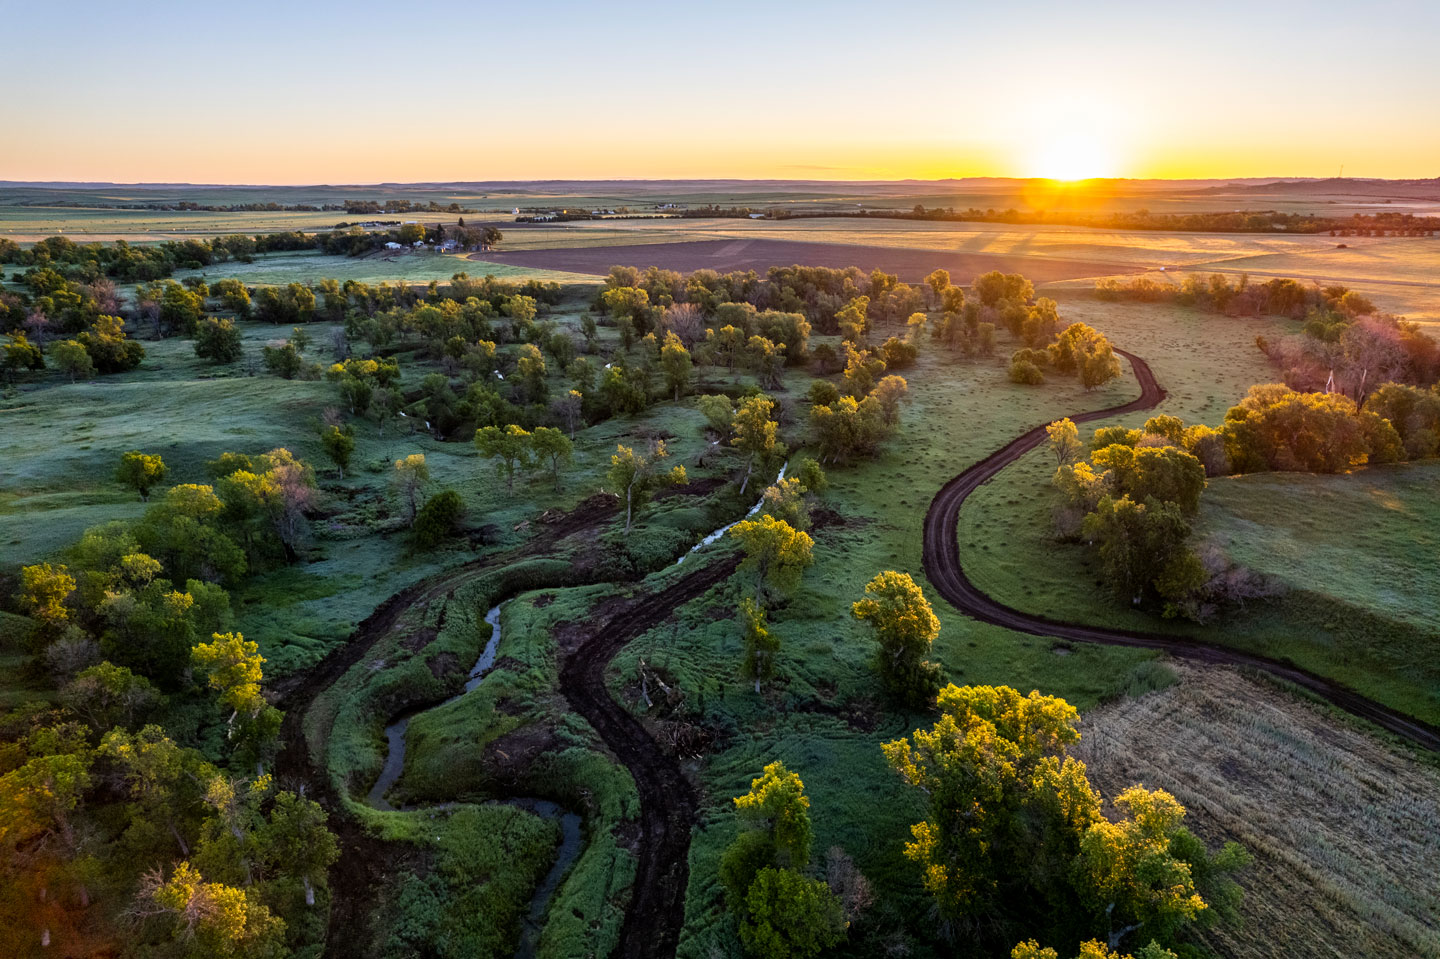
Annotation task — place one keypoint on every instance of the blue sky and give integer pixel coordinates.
(357, 92)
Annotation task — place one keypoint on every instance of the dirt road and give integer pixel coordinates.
(942, 566)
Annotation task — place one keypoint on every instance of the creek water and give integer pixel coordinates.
(729, 526)
(571, 837)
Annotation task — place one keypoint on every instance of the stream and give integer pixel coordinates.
(725, 529)
(571, 838)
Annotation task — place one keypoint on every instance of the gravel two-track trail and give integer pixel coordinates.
(942, 566)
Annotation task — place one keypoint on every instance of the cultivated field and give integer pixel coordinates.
(1341, 824)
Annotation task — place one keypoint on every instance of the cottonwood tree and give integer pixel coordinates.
(755, 435)
(411, 475)
(141, 472)
(549, 445)
(634, 475)
(781, 911)
(233, 667)
(776, 552)
(43, 591)
(73, 358)
(218, 340)
(339, 444)
(511, 449)
(677, 365)
(905, 626)
(1063, 439)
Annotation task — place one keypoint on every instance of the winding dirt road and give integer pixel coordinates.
(942, 566)
(667, 802)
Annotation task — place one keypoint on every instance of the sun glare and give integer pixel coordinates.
(1073, 157)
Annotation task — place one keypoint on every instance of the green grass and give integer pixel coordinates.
(1360, 606)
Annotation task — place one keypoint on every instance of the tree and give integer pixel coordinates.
(675, 361)
(777, 806)
(633, 475)
(73, 358)
(108, 696)
(1025, 372)
(411, 474)
(905, 626)
(1064, 441)
(727, 344)
(939, 282)
(43, 591)
(775, 551)
(1093, 949)
(438, 518)
(210, 919)
(790, 916)
(530, 366)
(760, 644)
(768, 359)
(141, 472)
(339, 445)
(719, 413)
(1143, 546)
(847, 429)
(21, 354)
(568, 407)
(511, 448)
(785, 500)
(755, 434)
(282, 359)
(549, 445)
(889, 393)
(296, 842)
(218, 340)
(1006, 807)
(233, 667)
(1128, 872)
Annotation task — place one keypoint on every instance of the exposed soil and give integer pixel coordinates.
(366, 861)
(942, 566)
(760, 255)
(442, 663)
(667, 800)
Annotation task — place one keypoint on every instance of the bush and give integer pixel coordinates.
(218, 340)
(438, 518)
(1025, 372)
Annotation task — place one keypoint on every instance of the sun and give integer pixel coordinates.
(1075, 156)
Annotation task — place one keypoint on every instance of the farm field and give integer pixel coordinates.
(1339, 822)
(346, 664)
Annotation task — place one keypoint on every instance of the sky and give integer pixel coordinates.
(410, 90)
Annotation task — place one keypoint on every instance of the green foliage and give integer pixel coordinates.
(438, 519)
(776, 552)
(141, 471)
(218, 340)
(789, 915)
(905, 627)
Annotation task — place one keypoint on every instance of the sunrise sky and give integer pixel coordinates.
(296, 92)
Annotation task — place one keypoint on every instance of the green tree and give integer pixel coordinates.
(339, 444)
(675, 361)
(905, 626)
(777, 806)
(633, 475)
(1064, 441)
(1143, 546)
(218, 340)
(141, 472)
(776, 552)
(107, 695)
(438, 518)
(511, 448)
(790, 916)
(755, 435)
(411, 475)
(72, 357)
(719, 413)
(209, 919)
(553, 447)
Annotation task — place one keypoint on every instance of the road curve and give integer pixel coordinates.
(942, 566)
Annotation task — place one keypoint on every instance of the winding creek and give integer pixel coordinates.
(571, 833)
(571, 838)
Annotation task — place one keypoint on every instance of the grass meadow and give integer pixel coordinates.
(823, 714)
